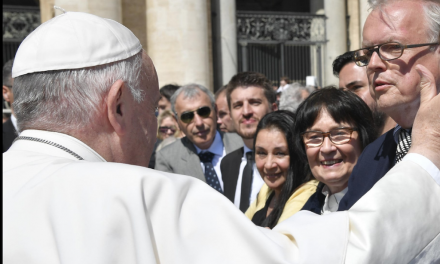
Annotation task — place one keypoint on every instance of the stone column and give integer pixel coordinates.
(46, 10)
(228, 39)
(354, 27)
(177, 40)
(336, 36)
(111, 9)
(134, 17)
(364, 11)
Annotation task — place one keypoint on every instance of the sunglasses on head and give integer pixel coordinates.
(187, 117)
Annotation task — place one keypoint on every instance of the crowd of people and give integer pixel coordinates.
(100, 165)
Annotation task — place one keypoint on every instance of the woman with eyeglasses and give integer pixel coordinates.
(332, 128)
(283, 193)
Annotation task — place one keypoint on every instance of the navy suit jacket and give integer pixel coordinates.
(374, 162)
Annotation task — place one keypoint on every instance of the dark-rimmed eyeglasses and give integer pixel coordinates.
(188, 116)
(337, 136)
(387, 51)
(164, 129)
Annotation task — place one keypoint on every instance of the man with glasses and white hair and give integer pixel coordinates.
(397, 36)
(199, 153)
(76, 188)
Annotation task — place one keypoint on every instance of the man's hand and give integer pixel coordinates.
(426, 128)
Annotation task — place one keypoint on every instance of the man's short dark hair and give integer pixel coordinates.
(341, 61)
(246, 79)
(168, 90)
(7, 73)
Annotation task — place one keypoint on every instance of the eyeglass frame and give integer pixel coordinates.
(192, 118)
(327, 134)
(377, 50)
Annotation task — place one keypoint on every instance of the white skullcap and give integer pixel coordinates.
(74, 40)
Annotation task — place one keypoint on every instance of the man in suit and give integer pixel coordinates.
(354, 78)
(394, 81)
(10, 126)
(200, 153)
(250, 97)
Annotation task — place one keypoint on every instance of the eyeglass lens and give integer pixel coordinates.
(337, 136)
(203, 112)
(387, 51)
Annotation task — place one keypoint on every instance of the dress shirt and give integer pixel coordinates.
(257, 181)
(331, 202)
(219, 152)
(14, 122)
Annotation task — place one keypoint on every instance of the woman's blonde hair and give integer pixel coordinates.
(161, 117)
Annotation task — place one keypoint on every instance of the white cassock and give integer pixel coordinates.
(58, 209)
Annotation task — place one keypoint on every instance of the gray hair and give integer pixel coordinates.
(291, 97)
(432, 15)
(7, 73)
(71, 99)
(190, 91)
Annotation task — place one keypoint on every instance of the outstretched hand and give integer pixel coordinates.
(426, 128)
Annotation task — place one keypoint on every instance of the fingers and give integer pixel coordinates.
(428, 88)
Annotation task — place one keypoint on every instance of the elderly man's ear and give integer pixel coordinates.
(119, 102)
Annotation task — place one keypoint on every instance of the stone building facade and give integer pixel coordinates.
(206, 42)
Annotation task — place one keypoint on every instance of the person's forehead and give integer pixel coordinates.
(163, 100)
(168, 120)
(352, 71)
(184, 103)
(401, 21)
(248, 92)
(221, 99)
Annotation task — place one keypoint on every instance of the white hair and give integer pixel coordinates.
(71, 99)
(291, 97)
(190, 91)
(431, 9)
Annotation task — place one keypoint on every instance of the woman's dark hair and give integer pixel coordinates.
(343, 106)
(282, 121)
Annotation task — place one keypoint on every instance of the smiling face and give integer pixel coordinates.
(248, 106)
(200, 131)
(332, 164)
(272, 157)
(395, 83)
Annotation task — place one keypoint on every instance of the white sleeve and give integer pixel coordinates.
(426, 164)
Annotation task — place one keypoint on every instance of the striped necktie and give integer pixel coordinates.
(403, 145)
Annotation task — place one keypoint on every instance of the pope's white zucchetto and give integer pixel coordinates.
(74, 40)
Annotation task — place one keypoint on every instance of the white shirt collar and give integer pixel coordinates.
(14, 122)
(246, 150)
(64, 140)
(216, 146)
(331, 202)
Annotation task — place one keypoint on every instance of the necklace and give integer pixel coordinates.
(50, 143)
